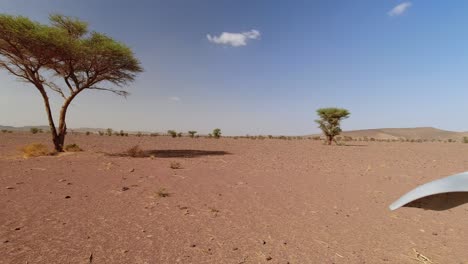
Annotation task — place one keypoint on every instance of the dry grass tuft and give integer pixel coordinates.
(35, 150)
(176, 165)
(72, 148)
(163, 193)
(135, 152)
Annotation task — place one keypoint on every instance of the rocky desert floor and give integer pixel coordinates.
(232, 201)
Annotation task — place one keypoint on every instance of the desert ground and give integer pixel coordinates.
(232, 201)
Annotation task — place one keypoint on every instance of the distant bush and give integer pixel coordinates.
(316, 138)
(179, 134)
(139, 134)
(135, 152)
(172, 133)
(465, 139)
(109, 132)
(216, 133)
(4, 131)
(35, 150)
(122, 133)
(72, 148)
(88, 133)
(192, 133)
(34, 130)
(270, 136)
(101, 133)
(154, 134)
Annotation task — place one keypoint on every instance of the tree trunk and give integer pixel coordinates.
(58, 142)
(329, 140)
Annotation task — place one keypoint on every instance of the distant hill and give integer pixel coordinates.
(428, 133)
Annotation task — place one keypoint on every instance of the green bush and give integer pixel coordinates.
(34, 130)
(172, 133)
(192, 133)
(216, 133)
(465, 139)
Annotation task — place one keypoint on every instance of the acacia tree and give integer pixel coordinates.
(65, 58)
(329, 122)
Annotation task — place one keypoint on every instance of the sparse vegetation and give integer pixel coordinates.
(163, 193)
(216, 133)
(135, 152)
(192, 133)
(34, 130)
(330, 120)
(465, 139)
(88, 133)
(101, 133)
(179, 134)
(72, 148)
(154, 134)
(35, 150)
(172, 133)
(109, 131)
(176, 165)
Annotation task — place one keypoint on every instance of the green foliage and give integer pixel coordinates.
(109, 131)
(172, 133)
(330, 120)
(192, 133)
(216, 133)
(34, 130)
(465, 139)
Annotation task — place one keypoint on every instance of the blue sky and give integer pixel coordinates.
(402, 68)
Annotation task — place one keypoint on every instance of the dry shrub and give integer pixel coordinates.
(73, 148)
(135, 152)
(35, 150)
(176, 165)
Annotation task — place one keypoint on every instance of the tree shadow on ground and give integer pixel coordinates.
(440, 202)
(170, 153)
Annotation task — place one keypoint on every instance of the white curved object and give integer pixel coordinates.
(454, 183)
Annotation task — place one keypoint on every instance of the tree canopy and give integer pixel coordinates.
(329, 122)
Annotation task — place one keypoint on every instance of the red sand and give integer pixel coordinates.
(264, 201)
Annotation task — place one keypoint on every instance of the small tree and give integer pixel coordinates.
(64, 57)
(216, 133)
(172, 133)
(192, 133)
(329, 122)
(109, 131)
(34, 130)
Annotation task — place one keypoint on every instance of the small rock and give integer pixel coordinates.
(6, 241)
(131, 170)
(269, 258)
(18, 228)
(193, 245)
(67, 197)
(125, 189)
(235, 249)
(9, 188)
(264, 242)
(434, 233)
(62, 180)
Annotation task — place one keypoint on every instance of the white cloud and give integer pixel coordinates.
(174, 98)
(400, 9)
(234, 39)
